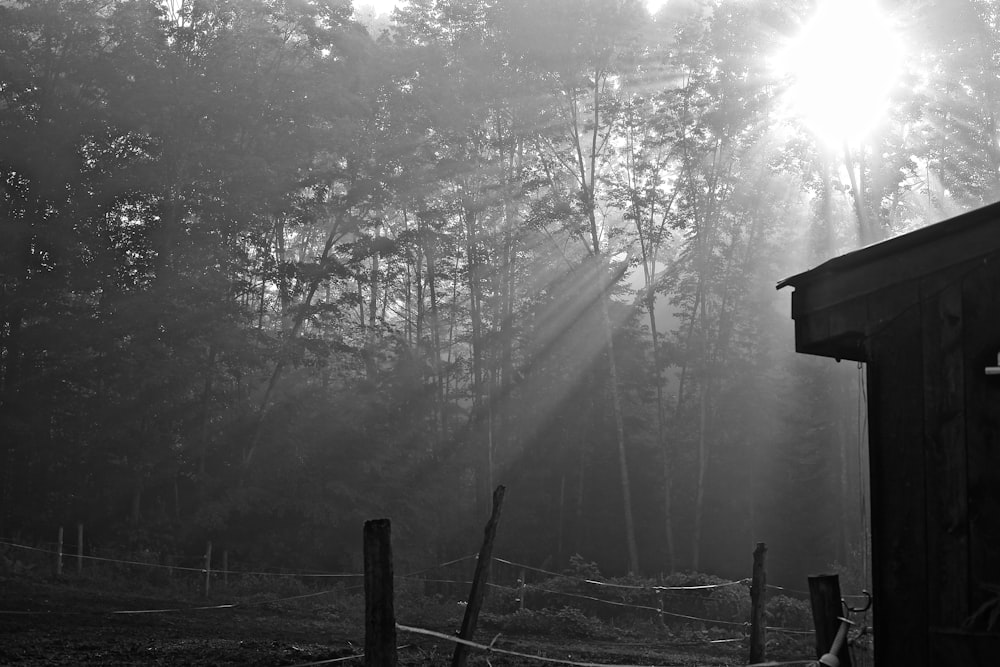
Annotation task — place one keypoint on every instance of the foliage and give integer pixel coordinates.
(264, 277)
(563, 622)
(784, 611)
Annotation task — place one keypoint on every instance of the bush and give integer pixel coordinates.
(562, 622)
(788, 612)
(637, 601)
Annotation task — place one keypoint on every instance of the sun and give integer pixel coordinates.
(842, 67)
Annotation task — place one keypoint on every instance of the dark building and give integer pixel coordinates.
(923, 312)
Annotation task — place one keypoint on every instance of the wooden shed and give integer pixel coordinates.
(923, 312)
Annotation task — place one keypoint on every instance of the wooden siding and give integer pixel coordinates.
(945, 459)
(899, 531)
(981, 304)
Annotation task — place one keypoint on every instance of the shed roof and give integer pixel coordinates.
(831, 305)
(967, 236)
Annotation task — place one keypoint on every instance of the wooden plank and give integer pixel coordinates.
(898, 510)
(981, 309)
(944, 456)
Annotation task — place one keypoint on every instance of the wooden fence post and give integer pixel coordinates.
(478, 591)
(380, 617)
(79, 548)
(758, 601)
(208, 566)
(59, 546)
(827, 608)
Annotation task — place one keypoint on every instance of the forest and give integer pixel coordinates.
(271, 268)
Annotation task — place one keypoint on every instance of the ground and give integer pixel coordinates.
(44, 621)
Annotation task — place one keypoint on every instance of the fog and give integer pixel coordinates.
(273, 269)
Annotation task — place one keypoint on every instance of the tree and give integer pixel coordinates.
(586, 48)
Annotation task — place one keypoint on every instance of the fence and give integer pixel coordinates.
(524, 599)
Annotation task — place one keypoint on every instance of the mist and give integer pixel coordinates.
(273, 269)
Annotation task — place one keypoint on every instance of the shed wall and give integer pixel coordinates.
(935, 460)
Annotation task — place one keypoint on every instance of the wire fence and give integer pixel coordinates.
(710, 610)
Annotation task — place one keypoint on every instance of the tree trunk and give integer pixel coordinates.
(280, 365)
(587, 164)
(858, 197)
(371, 335)
(661, 431)
(700, 488)
(284, 293)
(435, 351)
(616, 406)
(481, 408)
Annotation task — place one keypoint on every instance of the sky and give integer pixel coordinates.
(386, 6)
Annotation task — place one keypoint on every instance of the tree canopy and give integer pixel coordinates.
(266, 275)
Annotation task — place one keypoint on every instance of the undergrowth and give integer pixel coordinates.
(580, 604)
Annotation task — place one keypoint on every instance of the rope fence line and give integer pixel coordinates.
(610, 584)
(201, 570)
(166, 610)
(741, 624)
(638, 606)
(806, 593)
(441, 565)
(786, 590)
(99, 558)
(359, 656)
(230, 605)
(615, 603)
(623, 604)
(491, 648)
(411, 576)
(330, 661)
(414, 577)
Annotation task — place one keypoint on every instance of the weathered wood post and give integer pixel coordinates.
(225, 567)
(208, 566)
(827, 609)
(380, 617)
(79, 548)
(758, 601)
(479, 581)
(59, 546)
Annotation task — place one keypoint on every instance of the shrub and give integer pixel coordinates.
(787, 612)
(562, 622)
